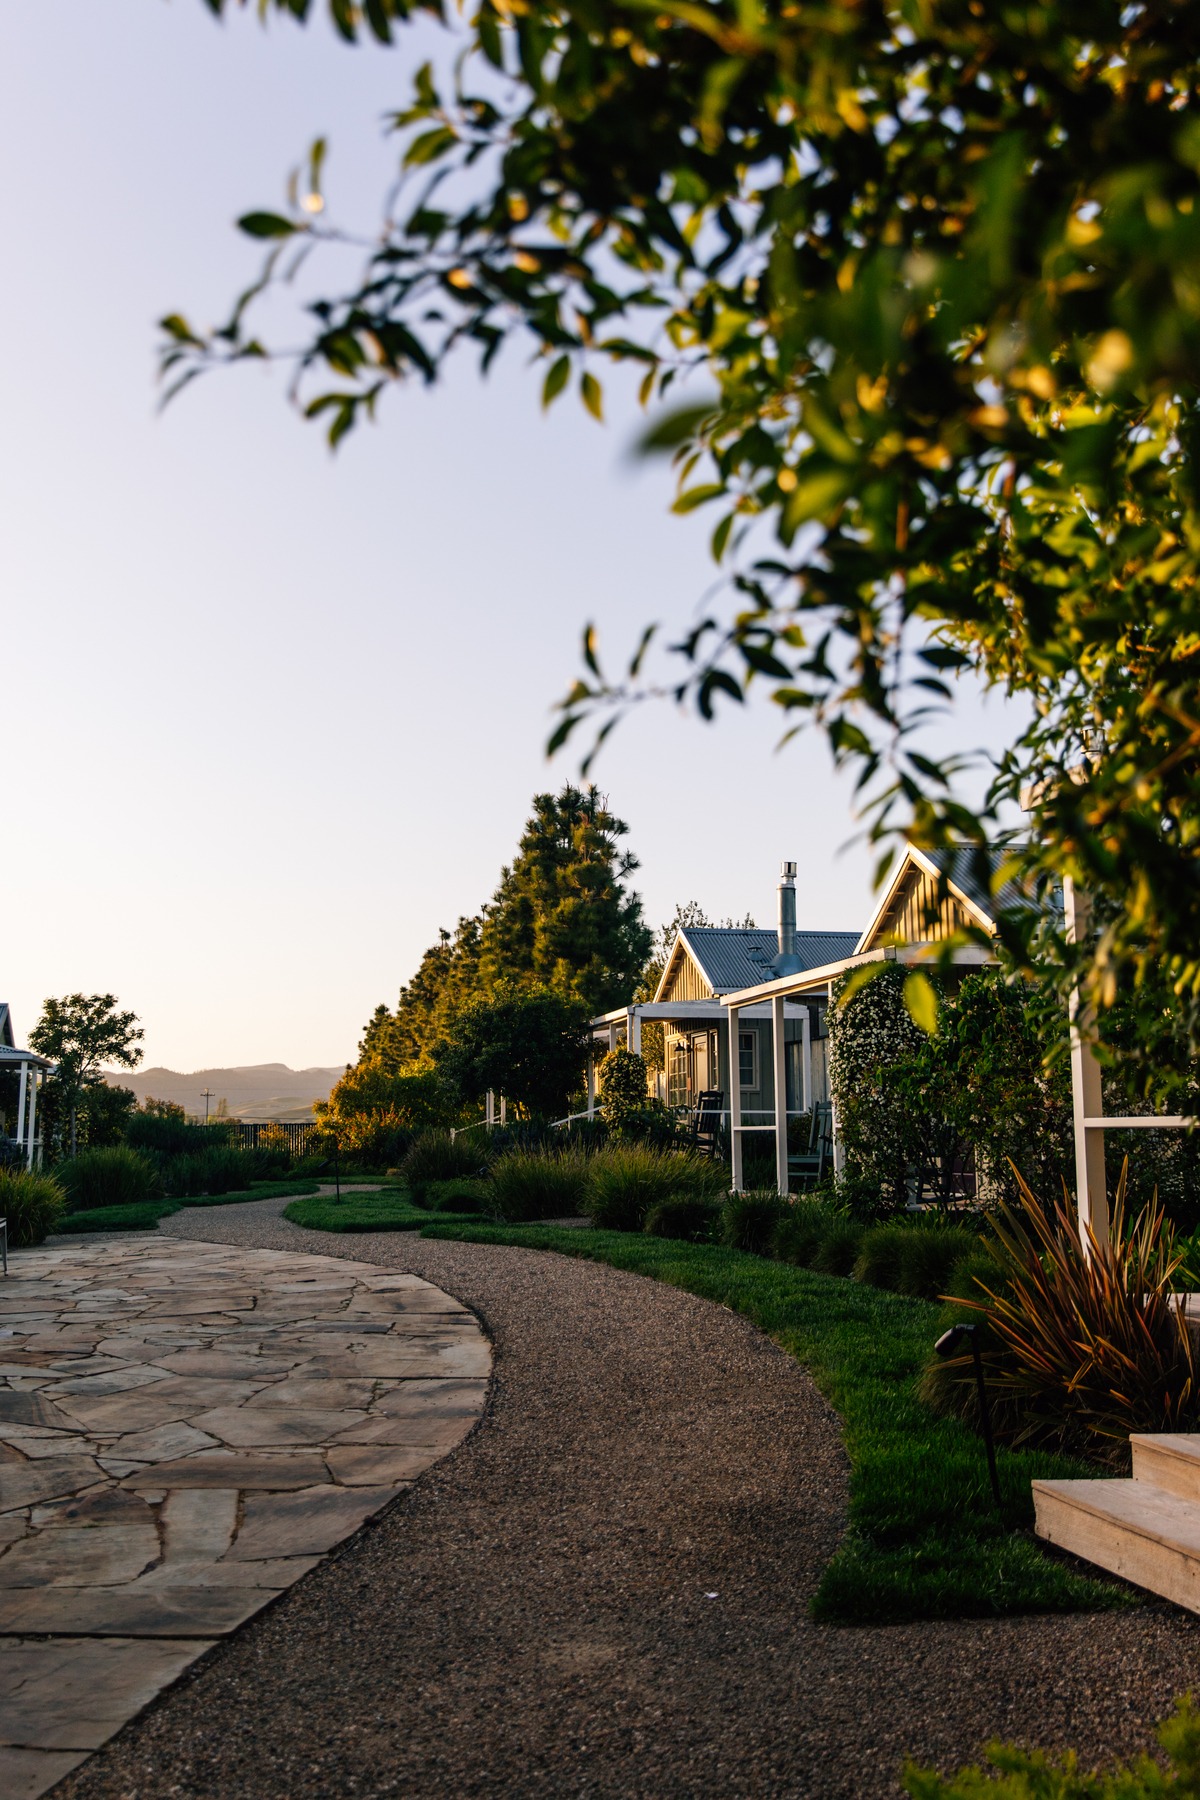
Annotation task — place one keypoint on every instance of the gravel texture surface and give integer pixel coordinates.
(603, 1591)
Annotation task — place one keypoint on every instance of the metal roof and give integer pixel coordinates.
(971, 870)
(9, 1054)
(738, 956)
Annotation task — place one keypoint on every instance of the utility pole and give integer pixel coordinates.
(206, 1096)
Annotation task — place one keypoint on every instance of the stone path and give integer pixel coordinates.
(185, 1429)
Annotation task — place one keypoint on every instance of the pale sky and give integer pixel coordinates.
(272, 717)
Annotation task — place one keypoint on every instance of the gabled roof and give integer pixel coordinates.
(6, 1030)
(968, 872)
(736, 956)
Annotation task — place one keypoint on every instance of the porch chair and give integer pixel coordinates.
(810, 1165)
(706, 1122)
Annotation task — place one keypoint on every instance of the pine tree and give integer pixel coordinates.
(561, 919)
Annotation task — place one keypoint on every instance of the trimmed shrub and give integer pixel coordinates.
(32, 1203)
(689, 1220)
(626, 1180)
(436, 1156)
(540, 1183)
(114, 1177)
(837, 1252)
(799, 1231)
(749, 1220)
(624, 1089)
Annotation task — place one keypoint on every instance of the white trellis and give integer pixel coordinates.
(1087, 1101)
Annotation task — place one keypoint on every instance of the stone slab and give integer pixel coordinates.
(307, 1523)
(24, 1774)
(71, 1693)
(137, 1610)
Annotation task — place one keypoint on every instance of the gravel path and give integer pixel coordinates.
(602, 1592)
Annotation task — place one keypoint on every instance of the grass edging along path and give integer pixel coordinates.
(143, 1215)
(389, 1210)
(925, 1540)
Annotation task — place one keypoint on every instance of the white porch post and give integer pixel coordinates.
(806, 1081)
(735, 1102)
(612, 1034)
(633, 1030)
(591, 1078)
(503, 1111)
(489, 1110)
(839, 1154)
(31, 1142)
(1086, 1095)
(779, 1066)
(19, 1132)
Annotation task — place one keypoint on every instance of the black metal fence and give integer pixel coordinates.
(251, 1134)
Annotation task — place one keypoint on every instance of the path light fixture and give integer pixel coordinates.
(947, 1346)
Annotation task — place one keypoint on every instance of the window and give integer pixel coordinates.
(748, 1059)
(677, 1072)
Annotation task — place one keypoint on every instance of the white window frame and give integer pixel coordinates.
(751, 1085)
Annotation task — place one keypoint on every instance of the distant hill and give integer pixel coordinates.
(259, 1091)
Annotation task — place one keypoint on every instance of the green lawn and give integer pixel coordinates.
(390, 1210)
(925, 1539)
(144, 1215)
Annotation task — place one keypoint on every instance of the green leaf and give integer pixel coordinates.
(593, 397)
(698, 496)
(429, 146)
(677, 428)
(557, 376)
(267, 225)
(921, 1000)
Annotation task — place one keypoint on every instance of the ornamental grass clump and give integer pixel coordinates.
(114, 1177)
(1084, 1342)
(220, 1170)
(689, 1220)
(32, 1204)
(626, 1180)
(436, 1156)
(917, 1259)
(540, 1183)
(749, 1220)
(800, 1231)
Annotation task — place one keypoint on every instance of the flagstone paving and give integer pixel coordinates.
(185, 1430)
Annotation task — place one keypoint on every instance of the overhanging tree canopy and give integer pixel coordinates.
(938, 265)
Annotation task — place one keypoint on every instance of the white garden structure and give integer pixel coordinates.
(30, 1070)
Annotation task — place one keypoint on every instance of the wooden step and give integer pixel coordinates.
(1170, 1460)
(1133, 1529)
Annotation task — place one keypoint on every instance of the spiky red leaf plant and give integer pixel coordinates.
(1078, 1349)
(1081, 1349)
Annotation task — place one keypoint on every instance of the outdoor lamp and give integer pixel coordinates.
(947, 1346)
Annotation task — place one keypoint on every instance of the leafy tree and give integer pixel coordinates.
(528, 1044)
(935, 267)
(420, 1102)
(81, 1033)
